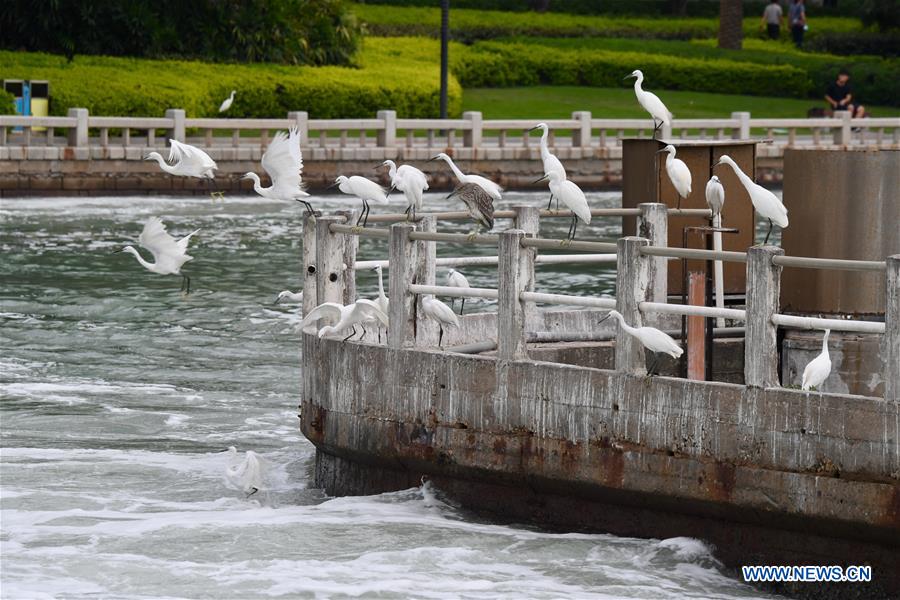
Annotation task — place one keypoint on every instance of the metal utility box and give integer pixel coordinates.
(16, 87)
(644, 179)
(842, 204)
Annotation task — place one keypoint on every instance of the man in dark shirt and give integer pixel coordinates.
(840, 97)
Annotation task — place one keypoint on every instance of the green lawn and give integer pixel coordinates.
(558, 102)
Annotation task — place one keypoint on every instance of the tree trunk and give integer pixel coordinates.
(731, 30)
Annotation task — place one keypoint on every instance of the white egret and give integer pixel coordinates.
(493, 190)
(551, 163)
(765, 202)
(351, 315)
(458, 280)
(185, 161)
(650, 338)
(440, 312)
(168, 253)
(289, 296)
(572, 196)
(678, 172)
(364, 189)
(715, 196)
(479, 204)
(382, 300)
(247, 474)
(283, 162)
(409, 180)
(818, 369)
(226, 104)
(651, 103)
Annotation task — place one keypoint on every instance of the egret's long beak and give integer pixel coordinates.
(535, 127)
(663, 150)
(627, 77)
(608, 315)
(433, 158)
(717, 163)
(376, 167)
(119, 250)
(245, 177)
(333, 185)
(541, 179)
(277, 300)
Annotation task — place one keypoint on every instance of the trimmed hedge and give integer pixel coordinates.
(391, 75)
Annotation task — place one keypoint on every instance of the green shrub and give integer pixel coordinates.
(6, 103)
(852, 43)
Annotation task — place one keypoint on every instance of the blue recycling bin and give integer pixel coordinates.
(22, 97)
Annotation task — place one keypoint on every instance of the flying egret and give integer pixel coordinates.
(289, 296)
(572, 196)
(715, 196)
(245, 474)
(651, 338)
(479, 204)
(765, 202)
(351, 315)
(364, 189)
(440, 312)
(551, 163)
(818, 369)
(226, 104)
(409, 180)
(651, 103)
(458, 280)
(170, 254)
(185, 161)
(493, 190)
(283, 162)
(678, 172)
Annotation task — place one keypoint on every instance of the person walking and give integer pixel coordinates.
(772, 18)
(797, 20)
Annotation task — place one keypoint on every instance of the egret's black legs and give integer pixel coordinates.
(550, 203)
(366, 208)
(769, 232)
(441, 336)
(352, 333)
(462, 306)
(573, 226)
(253, 492)
(656, 127)
(651, 372)
(185, 284)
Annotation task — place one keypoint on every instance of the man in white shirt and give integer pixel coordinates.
(773, 17)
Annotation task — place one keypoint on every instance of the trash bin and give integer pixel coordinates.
(40, 100)
(16, 87)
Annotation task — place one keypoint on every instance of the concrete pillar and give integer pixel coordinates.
(301, 121)
(427, 330)
(761, 340)
(351, 245)
(581, 137)
(402, 257)
(742, 132)
(387, 137)
(472, 136)
(891, 341)
(330, 260)
(78, 135)
(515, 271)
(632, 276)
(310, 299)
(653, 225)
(177, 131)
(842, 133)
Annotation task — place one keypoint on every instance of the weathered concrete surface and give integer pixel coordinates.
(771, 474)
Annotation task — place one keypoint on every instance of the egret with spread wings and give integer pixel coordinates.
(185, 161)
(168, 253)
(349, 316)
(283, 162)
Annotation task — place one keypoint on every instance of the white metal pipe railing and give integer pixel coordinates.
(454, 292)
(484, 261)
(833, 324)
(693, 311)
(567, 300)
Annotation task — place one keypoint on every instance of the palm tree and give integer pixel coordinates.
(731, 26)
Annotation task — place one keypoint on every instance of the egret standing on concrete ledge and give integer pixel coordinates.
(572, 196)
(364, 189)
(551, 163)
(440, 312)
(765, 202)
(458, 280)
(284, 164)
(651, 338)
(678, 172)
(818, 369)
(491, 189)
(409, 180)
(651, 103)
(170, 254)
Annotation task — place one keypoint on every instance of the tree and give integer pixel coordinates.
(731, 24)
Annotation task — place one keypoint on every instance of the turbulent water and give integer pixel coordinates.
(118, 395)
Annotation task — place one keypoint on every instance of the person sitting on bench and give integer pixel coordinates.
(840, 97)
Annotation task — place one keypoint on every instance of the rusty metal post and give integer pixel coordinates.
(632, 276)
(761, 337)
(696, 328)
(330, 259)
(515, 269)
(310, 300)
(652, 225)
(891, 339)
(427, 330)
(402, 257)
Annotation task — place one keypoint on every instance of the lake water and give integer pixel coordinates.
(118, 395)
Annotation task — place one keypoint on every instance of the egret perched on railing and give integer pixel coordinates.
(364, 189)
(346, 316)
(479, 204)
(457, 280)
(765, 202)
(551, 163)
(289, 296)
(492, 189)
(715, 197)
(572, 196)
(226, 104)
(678, 172)
(170, 254)
(409, 180)
(283, 161)
(650, 338)
(651, 103)
(818, 369)
(247, 474)
(440, 312)
(185, 161)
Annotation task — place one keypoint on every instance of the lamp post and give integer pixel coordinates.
(445, 42)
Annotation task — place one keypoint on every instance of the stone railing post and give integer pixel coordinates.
(310, 269)
(742, 131)
(528, 219)
(177, 131)
(330, 261)
(427, 330)
(653, 225)
(78, 135)
(581, 136)
(891, 341)
(761, 337)
(842, 132)
(472, 136)
(301, 121)
(632, 277)
(387, 137)
(402, 257)
(515, 271)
